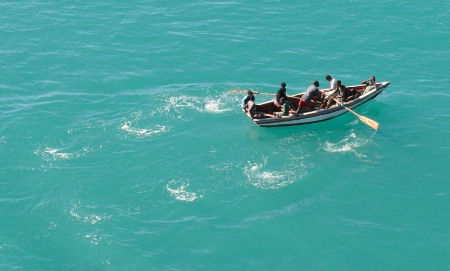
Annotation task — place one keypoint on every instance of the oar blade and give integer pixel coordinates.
(369, 122)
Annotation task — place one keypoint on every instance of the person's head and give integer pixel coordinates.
(328, 77)
(283, 84)
(338, 83)
(316, 83)
(282, 100)
(249, 93)
(372, 78)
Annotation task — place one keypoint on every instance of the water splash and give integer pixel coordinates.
(131, 126)
(177, 189)
(53, 154)
(349, 143)
(215, 106)
(265, 179)
(211, 104)
(142, 132)
(82, 216)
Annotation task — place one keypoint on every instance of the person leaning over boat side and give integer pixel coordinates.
(330, 92)
(370, 84)
(280, 94)
(246, 99)
(312, 93)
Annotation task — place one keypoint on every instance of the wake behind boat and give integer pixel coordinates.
(268, 109)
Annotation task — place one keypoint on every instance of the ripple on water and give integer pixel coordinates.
(177, 189)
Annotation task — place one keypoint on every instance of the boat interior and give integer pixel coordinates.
(269, 109)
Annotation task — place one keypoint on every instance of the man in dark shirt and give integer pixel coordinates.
(280, 94)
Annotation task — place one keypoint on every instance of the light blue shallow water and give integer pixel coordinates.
(122, 149)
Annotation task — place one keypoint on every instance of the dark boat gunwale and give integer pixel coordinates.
(318, 115)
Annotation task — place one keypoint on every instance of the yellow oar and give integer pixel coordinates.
(366, 120)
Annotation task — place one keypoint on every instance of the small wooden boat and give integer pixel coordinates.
(316, 115)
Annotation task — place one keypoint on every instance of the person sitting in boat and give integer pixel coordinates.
(342, 93)
(330, 92)
(370, 84)
(352, 93)
(250, 109)
(286, 106)
(312, 93)
(246, 99)
(280, 94)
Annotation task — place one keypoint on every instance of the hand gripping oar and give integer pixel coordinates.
(366, 120)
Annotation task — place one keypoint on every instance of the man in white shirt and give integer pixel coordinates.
(328, 93)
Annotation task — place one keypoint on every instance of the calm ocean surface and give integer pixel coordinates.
(122, 149)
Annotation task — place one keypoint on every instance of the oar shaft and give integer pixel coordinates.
(242, 91)
(270, 94)
(366, 120)
(338, 102)
(261, 93)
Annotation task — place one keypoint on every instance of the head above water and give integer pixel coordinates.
(316, 83)
(328, 77)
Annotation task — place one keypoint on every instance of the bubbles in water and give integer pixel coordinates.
(177, 189)
(81, 215)
(349, 143)
(268, 179)
(127, 127)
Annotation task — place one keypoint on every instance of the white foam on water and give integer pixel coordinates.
(83, 216)
(211, 104)
(267, 179)
(142, 132)
(349, 143)
(177, 189)
(215, 106)
(184, 102)
(54, 154)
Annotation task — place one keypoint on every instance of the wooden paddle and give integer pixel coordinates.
(366, 120)
(256, 92)
(242, 91)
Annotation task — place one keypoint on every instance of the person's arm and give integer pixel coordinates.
(316, 95)
(375, 84)
(298, 109)
(342, 94)
(244, 102)
(331, 92)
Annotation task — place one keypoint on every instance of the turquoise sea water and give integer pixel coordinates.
(122, 149)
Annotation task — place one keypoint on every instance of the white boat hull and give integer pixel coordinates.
(321, 114)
